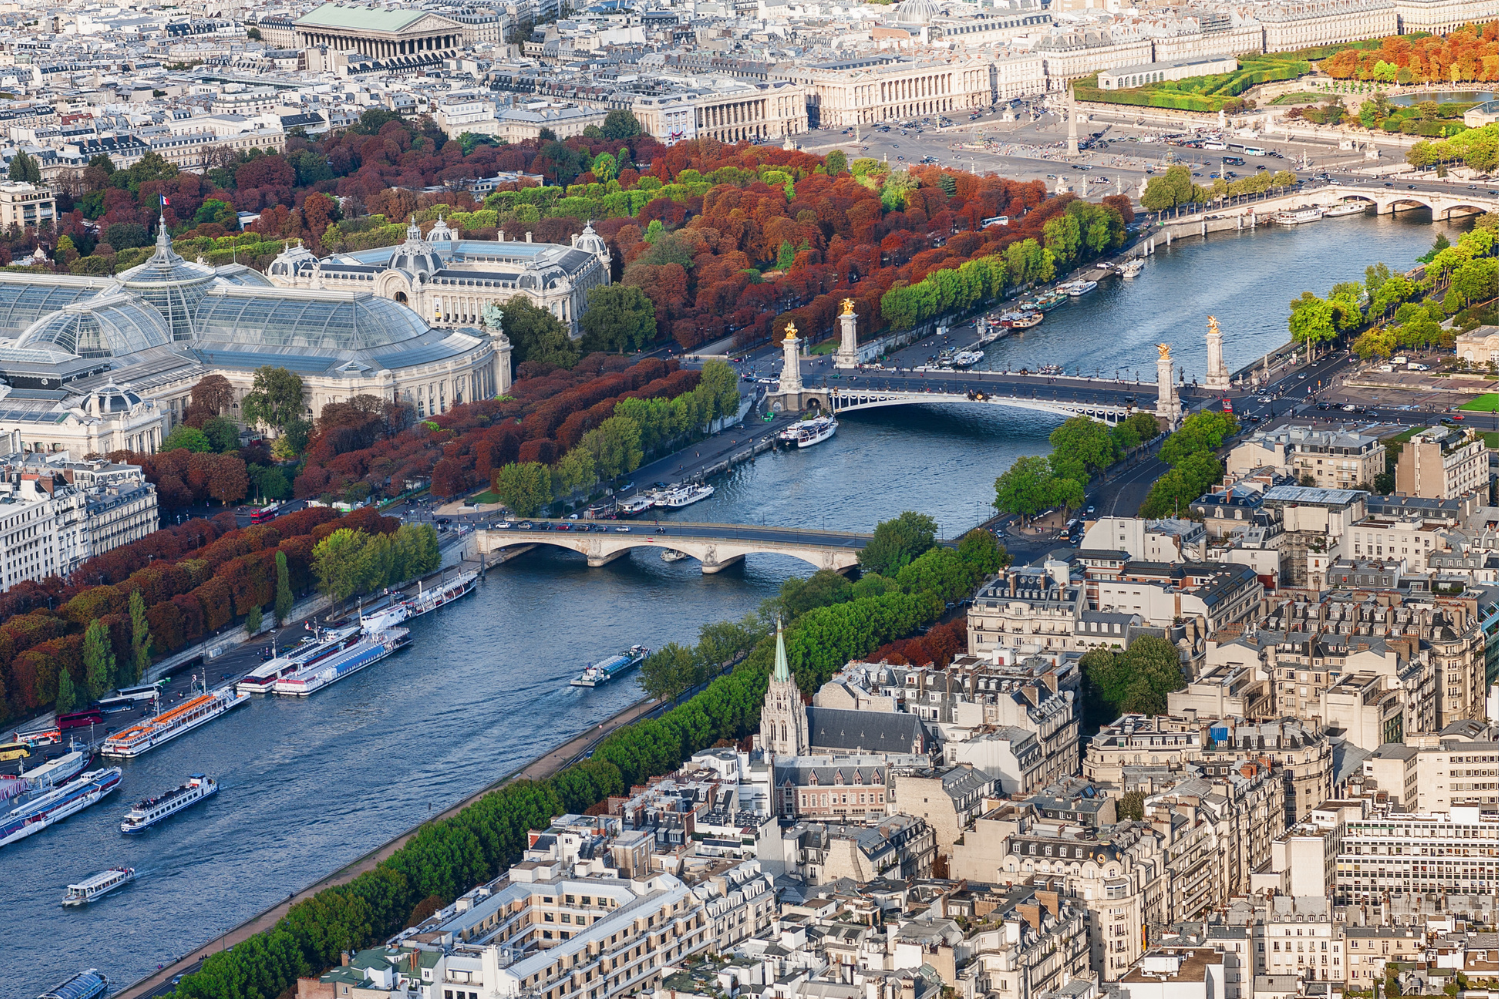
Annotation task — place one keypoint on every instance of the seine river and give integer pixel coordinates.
(307, 785)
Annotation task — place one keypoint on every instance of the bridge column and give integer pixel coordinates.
(1217, 379)
(598, 557)
(1167, 405)
(711, 563)
(791, 374)
(848, 346)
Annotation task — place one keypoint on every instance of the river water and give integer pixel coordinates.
(307, 785)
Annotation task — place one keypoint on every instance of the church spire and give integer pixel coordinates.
(782, 671)
(163, 238)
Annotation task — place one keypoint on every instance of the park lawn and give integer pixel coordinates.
(1301, 97)
(1405, 435)
(1491, 439)
(485, 497)
(1486, 403)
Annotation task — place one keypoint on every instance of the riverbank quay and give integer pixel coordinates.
(548, 764)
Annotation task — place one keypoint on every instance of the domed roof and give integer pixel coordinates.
(416, 256)
(113, 399)
(109, 325)
(260, 319)
(916, 12)
(439, 233)
(169, 284)
(591, 242)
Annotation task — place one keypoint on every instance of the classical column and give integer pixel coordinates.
(848, 345)
(1217, 379)
(1167, 405)
(1072, 149)
(791, 374)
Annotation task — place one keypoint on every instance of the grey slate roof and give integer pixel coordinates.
(865, 731)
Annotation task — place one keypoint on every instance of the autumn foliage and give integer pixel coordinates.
(194, 578)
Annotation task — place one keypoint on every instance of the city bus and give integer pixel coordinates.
(1214, 144)
(997, 220)
(80, 719)
(1253, 151)
(265, 514)
(14, 751)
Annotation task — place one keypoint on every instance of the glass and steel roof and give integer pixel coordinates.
(256, 319)
(25, 298)
(170, 284)
(107, 326)
(240, 274)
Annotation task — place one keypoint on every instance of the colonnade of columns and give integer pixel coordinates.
(733, 122)
(379, 49)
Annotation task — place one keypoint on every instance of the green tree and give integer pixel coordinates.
(719, 383)
(1204, 431)
(184, 437)
(1081, 447)
(619, 318)
(670, 670)
(1133, 681)
(896, 543)
(66, 698)
(275, 397)
(283, 590)
(523, 487)
(605, 168)
(1171, 190)
(1131, 806)
(98, 660)
(575, 472)
(252, 619)
(140, 635)
(222, 434)
(338, 563)
(218, 212)
(615, 447)
(536, 335)
(620, 124)
(25, 169)
(835, 163)
(1312, 320)
(1025, 488)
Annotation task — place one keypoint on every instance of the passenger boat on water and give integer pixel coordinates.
(634, 506)
(153, 810)
(1300, 216)
(1132, 267)
(90, 984)
(381, 636)
(98, 886)
(190, 714)
(1077, 289)
(57, 804)
(605, 670)
(1021, 320)
(1046, 301)
(685, 495)
(806, 433)
(445, 592)
(672, 555)
(323, 644)
(1345, 208)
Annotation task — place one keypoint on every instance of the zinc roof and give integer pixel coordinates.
(338, 15)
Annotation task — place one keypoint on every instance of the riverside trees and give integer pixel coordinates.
(1195, 465)
(1081, 448)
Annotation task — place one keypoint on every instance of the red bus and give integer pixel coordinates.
(80, 719)
(265, 514)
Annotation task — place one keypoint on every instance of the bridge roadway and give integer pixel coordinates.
(1387, 197)
(715, 546)
(1101, 398)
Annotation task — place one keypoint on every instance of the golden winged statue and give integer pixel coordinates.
(1165, 349)
(848, 307)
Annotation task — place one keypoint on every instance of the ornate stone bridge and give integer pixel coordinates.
(715, 546)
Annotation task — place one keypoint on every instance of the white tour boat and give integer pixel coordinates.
(445, 592)
(323, 645)
(1300, 216)
(197, 710)
(672, 555)
(57, 804)
(806, 433)
(152, 810)
(685, 495)
(1345, 208)
(1132, 267)
(1077, 289)
(381, 637)
(98, 886)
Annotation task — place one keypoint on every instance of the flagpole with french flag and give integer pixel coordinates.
(165, 201)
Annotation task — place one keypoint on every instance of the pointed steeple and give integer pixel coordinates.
(163, 238)
(782, 671)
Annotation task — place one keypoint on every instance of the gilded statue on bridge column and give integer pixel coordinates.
(1165, 351)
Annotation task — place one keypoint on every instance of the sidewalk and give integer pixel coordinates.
(538, 769)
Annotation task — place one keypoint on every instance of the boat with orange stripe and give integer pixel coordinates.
(200, 709)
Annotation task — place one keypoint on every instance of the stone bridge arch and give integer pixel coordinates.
(714, 554)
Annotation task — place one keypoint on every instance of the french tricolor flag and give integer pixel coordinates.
(165, 201)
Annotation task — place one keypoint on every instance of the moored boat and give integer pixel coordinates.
(633, 506)
(1022, 320)
(325, 643)
(1047, 301)
(814, 431)
(1077, 289)
(685, 495)
(380, 640)
(1298, 217)
(153, 810)
(90, 984)
(57, 804)
(965, 359)
(1132, 267)
(190, 714)
(672, 555)
(605, 670)
(98, 886)
(1345, 208)
(445, 592)
(54, 773)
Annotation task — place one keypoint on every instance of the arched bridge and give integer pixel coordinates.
(715, 546)
(1444, 200)
(1104, 399)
